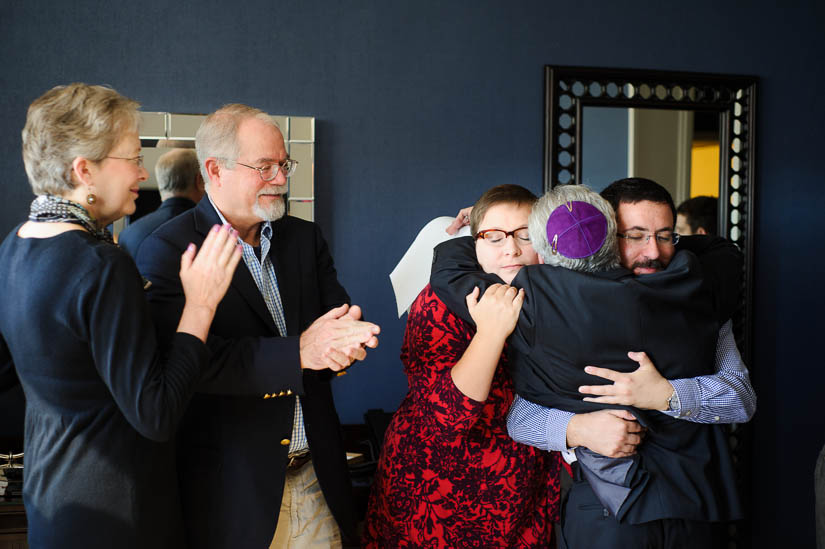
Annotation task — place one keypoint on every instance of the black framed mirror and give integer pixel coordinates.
(713, 110)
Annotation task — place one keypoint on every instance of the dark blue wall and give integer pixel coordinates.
(423, 105)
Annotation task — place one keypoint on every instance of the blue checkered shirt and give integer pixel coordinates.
(263, 272)
(723, 397)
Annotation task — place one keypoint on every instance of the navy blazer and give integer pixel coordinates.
(233, 440)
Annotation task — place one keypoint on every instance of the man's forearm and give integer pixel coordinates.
(724, 397)
(539, 426)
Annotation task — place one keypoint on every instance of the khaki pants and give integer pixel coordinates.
(305, 519)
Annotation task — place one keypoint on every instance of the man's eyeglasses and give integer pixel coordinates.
(270, 171)
(497, 237)
(137, 160)
(637, 238)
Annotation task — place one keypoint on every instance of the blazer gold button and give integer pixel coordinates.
(289, 391)
(282, 393)
(266, 396)
(285, 442)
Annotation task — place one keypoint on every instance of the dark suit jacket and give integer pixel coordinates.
(233, 440)
(133, 235)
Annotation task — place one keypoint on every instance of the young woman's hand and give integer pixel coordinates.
(496, 313)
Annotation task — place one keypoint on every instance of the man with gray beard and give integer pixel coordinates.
(260, 455)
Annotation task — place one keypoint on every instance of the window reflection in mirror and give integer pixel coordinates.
(679, 149)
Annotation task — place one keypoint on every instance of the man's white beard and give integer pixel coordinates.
(272, 212)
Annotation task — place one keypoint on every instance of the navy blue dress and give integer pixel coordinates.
(101, 401)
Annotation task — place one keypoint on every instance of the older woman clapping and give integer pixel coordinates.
(100, 395)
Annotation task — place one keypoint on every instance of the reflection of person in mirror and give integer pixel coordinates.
(697, 215)
(260, 456)
(181, 187)
(722, 395)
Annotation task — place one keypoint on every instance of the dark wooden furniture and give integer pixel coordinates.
(13, 525)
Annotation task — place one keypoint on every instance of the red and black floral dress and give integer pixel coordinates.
(449, 475)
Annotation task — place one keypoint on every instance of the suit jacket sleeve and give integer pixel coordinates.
(722, 269)
(456, 272)
(332, 293)
(239, 366)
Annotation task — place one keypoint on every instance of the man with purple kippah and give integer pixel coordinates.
(666, 494)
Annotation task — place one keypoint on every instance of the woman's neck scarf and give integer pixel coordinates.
(48, 208)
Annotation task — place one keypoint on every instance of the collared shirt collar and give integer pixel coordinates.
(266, 226)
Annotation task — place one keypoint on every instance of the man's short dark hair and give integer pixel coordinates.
(631, 190)
(700, 211)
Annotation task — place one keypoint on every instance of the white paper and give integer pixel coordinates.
(412, 273)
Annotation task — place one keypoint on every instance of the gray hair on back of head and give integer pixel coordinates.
(177, 171)
(608, 255)
(217, 136)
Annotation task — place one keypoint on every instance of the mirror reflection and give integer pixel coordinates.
(677, 148)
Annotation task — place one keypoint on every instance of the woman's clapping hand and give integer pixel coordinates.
(205, 276)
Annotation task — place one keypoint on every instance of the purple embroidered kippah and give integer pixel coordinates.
(576, 229)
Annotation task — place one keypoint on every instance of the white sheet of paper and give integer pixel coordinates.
(412, 273)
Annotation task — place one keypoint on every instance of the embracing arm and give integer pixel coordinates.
(612, 433)
(456, 272)
(722, 269)
(495, 315)
(436, 343)
(537, 425)
(726, 396)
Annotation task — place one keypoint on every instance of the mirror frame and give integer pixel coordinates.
(569, 89)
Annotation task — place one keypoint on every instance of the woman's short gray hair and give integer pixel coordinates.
(68, 122)
(607, 257)
(217, 136)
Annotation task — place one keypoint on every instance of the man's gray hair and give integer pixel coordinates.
(218, 135)
(177, 171)
(608, 255)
